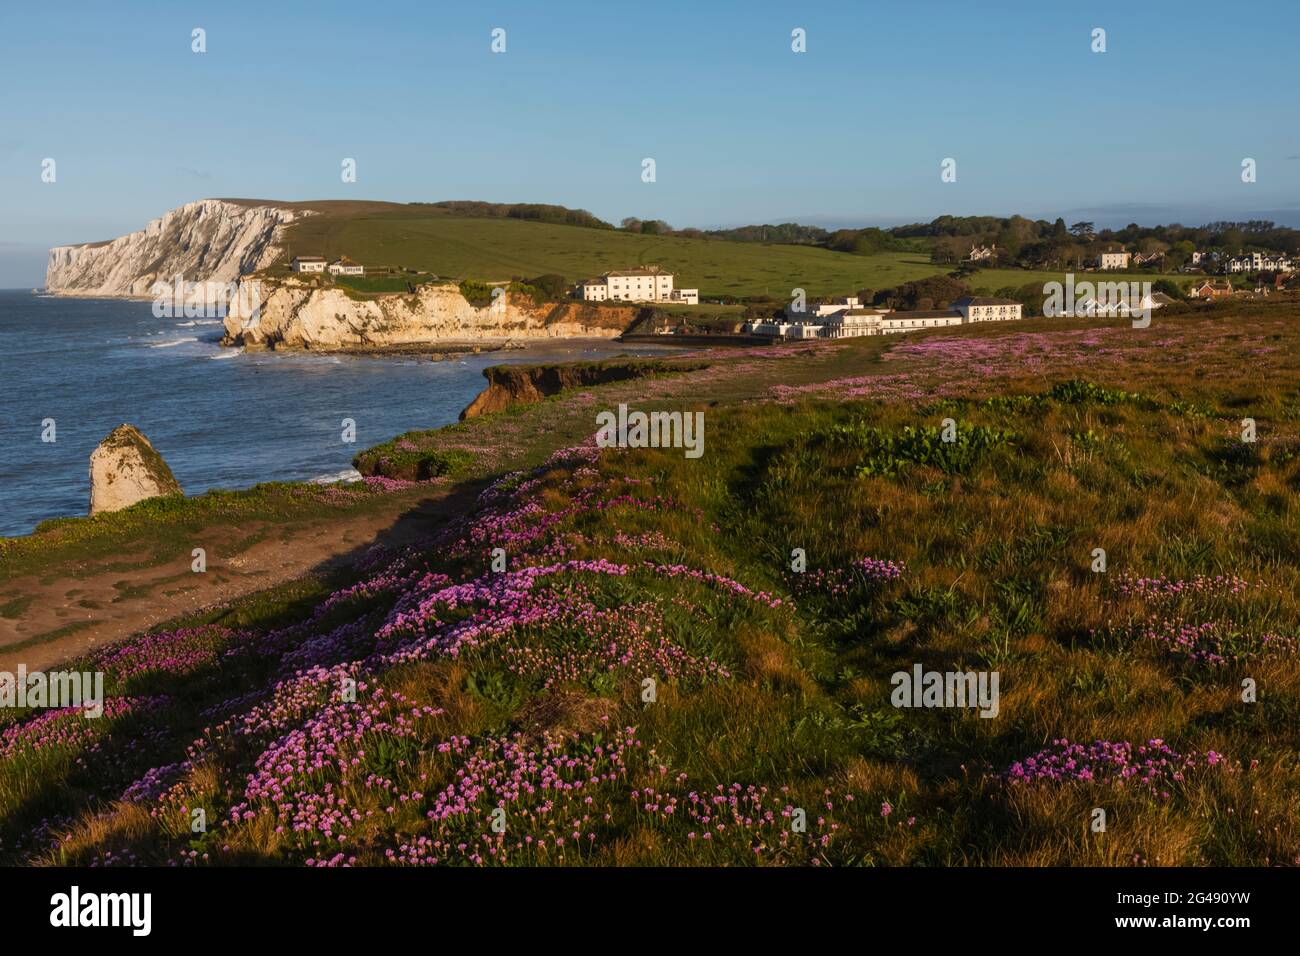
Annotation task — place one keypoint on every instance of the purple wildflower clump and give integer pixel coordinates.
(646, 541)
(743, 816)
(1215, 642)
(719, 581)
(169, 652)
(862, 573)
(578, 641)
(444, 621)
(156, 782)
(1154, 766)
(555, 801)
(69, 727)
(1162, 589)
(1199, 618)
(303, 779)
(382, 483)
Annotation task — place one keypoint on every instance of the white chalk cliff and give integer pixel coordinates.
(293, 315)
(206, 241)
(216, 242)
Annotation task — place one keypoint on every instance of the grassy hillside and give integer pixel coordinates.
(650, 681)
(494, 249)
(437, 240)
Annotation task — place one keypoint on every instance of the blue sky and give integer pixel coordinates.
(741, 128)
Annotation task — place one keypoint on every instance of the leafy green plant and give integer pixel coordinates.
(886, 453)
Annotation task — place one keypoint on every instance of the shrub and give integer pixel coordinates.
(477, 294)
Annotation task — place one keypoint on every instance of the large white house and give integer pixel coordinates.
(1113, 260)
(985, 309)
(645, 284)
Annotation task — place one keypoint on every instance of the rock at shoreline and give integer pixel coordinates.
(125, 469)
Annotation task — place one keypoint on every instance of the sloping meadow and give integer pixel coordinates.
(626, 657)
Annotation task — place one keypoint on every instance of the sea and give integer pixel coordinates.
(74, 369)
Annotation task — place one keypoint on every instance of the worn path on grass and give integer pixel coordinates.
(64, 615)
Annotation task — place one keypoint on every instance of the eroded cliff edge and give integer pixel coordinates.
(300, 316)
(510, 385)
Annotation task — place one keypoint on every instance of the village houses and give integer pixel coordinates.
(1210, 290)
(1259, 262)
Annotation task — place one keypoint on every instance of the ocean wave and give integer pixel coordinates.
(348, 475)
(227, 354)
(167, 345)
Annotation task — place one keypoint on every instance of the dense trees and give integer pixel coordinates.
(541, 212)
(1040, 244)
(932, 292)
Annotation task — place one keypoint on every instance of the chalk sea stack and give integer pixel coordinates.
(125, 469)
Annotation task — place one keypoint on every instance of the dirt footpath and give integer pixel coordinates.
(65, 616)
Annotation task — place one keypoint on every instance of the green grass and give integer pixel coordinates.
(377, 284)
(502, 249)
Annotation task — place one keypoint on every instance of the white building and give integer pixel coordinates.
(980, 253)
(1113, 260)
(307, 264)
(1258, 262)
(646, 284)
(851, 323)
(786, 330)
(343, 266)
(896, 322)
(838, 320)
(983, 309)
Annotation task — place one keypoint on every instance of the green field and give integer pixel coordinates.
(498, 249)
(429, 239)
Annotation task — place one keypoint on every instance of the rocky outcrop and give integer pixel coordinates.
(301, 316)
(521, 384)
(212, 240)
(125, 469)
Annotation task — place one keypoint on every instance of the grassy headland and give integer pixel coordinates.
(648, 680)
